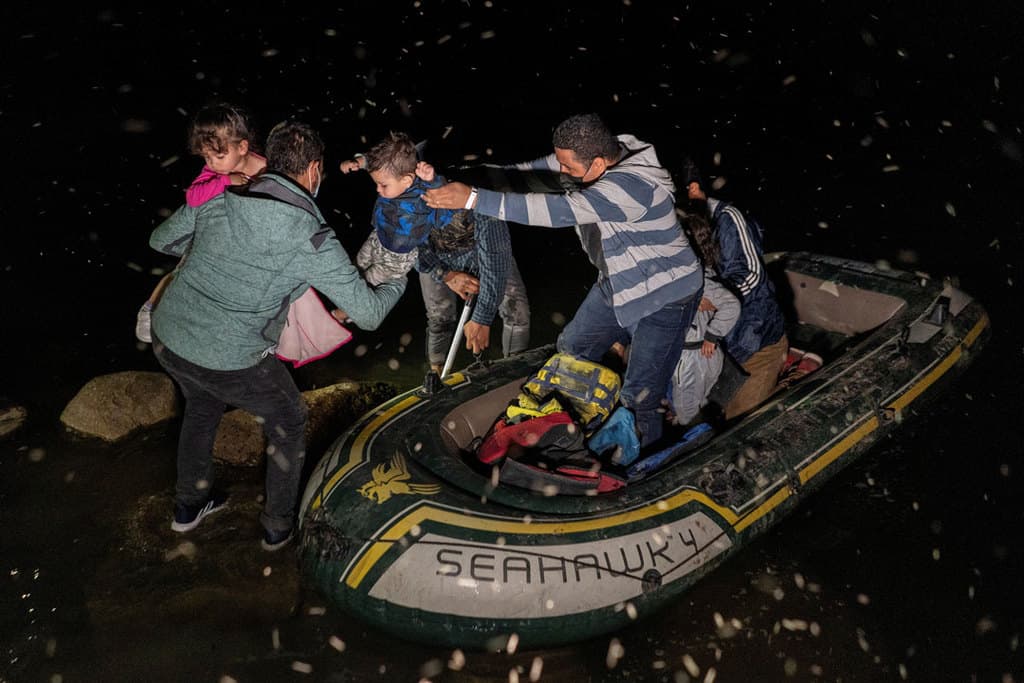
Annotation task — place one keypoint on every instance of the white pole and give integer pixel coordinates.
(458, 336)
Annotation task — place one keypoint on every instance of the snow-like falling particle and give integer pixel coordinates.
(691, 666)
(457, 660)
(536, 668)
(302, 667)
(337, 643)
(615, 653)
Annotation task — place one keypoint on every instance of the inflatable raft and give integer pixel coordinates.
(401, 528)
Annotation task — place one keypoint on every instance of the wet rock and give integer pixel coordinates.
(110, 407)
(240, 439)
(11, 417)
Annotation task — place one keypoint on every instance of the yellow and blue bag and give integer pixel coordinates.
(587, 390)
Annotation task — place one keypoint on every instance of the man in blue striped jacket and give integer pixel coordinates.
(649, 279)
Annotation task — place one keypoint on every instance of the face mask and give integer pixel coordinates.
(577, 181)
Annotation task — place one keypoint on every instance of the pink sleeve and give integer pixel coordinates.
(207, 185)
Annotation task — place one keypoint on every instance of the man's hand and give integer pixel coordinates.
(425, 171)
(478, 337)
(450, 196)
(705, 305)
(461, 283)
(707, 349)
(350, 165)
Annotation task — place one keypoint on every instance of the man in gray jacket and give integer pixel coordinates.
(254, 250)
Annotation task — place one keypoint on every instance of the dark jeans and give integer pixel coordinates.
(267, 391)
(654, 346)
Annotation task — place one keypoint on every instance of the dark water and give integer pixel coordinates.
(879, 130)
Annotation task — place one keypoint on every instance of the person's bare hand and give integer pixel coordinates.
(450, 196)
(707, 349)
(425, 171)
(706, 305)
(349, 165)
(339, 315)
(478, 337)
(462, 284)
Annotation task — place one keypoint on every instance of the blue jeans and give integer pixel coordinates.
(267, 391)
(654, 347)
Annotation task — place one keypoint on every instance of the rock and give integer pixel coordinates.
(240, 439)
(11, 417)
(111, 407)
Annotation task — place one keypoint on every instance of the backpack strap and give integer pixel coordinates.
(265, 188)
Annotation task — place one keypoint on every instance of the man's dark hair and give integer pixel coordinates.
(215, 126)
(292, 146)
(586, 136)
(395, 154)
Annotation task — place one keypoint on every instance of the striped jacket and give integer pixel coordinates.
(627, 224)
(741, 266)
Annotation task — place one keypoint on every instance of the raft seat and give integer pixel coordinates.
(471, 421)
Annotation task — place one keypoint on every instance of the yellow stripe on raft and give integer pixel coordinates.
(356, 452)
(427, 512)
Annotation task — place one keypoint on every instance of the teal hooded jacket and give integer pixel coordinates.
(249, 256)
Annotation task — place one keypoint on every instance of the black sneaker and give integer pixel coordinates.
(187, 517)
(275, 540)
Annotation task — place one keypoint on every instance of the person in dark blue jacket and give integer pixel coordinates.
(758, 341)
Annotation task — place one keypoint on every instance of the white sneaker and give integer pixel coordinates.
(142, 322)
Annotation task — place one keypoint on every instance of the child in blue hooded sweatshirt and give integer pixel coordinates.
(458, 253)
(401, 220)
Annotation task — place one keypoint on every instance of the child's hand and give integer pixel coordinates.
(350, 165)
(462, 284)
(706, 305)
(425, 171)
(707, 349)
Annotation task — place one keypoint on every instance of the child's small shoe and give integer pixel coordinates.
(793, 357)
(142, 323)
(809, 363)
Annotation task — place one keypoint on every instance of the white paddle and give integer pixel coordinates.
(458, 336)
